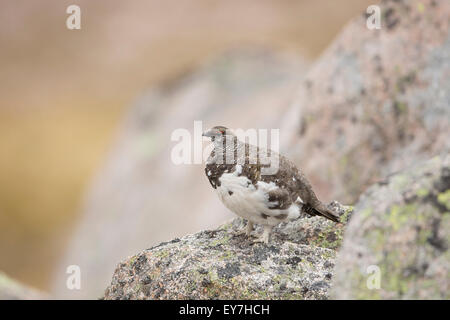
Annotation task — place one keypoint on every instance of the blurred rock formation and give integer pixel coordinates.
(377, 100)
(13, 290)
(400, 233)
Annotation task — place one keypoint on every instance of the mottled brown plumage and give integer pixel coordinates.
(240, 166)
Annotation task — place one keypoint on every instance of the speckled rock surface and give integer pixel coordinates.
(219, 264)
(401, 226)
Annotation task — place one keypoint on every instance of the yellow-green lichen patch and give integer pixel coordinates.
(132, 260)
(162, 253)
(444, 198)
(399, 182)
(400, 214)
(366, 212)
(348, 210)
(330, 238)
(422, 192)
(220, 241)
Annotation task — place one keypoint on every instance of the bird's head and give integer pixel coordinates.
(218, 133)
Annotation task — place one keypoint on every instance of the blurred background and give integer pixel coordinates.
(65, 101)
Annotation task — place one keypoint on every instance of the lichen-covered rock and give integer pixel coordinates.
(220, 264)
(13, 290)
(401, 226)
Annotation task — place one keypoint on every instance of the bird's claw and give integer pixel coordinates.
(262, 239)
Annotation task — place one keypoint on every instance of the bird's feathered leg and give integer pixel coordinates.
(249, 228)
(265, 237)
(247, 231)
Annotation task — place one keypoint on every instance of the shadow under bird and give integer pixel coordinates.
(235, 170)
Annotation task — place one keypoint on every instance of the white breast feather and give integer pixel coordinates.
(249, 201)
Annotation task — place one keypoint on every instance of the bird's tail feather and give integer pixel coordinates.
(322, 210)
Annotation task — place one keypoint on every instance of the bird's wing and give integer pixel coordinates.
(279, 199)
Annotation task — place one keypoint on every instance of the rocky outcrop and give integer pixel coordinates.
(220, 264)
(396, 245)
(376, 101)
(13, 290)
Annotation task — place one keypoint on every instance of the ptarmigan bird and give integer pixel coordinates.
(234, 170)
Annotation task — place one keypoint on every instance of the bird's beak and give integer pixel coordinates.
(208, 133)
